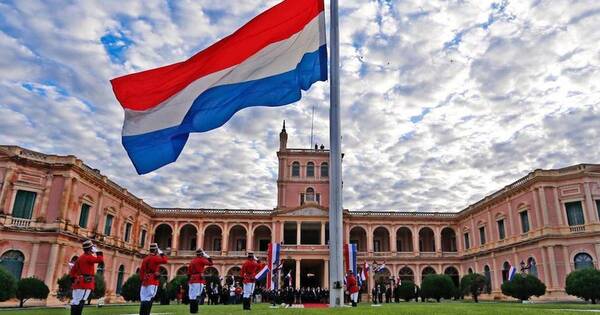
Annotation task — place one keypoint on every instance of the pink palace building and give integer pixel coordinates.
(548, 219)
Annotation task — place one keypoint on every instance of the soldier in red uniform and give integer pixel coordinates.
(149, 273)
(82, 276)
(196, 280)
(352, 287)
(248, 273)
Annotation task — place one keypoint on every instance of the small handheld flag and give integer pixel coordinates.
(512, 272)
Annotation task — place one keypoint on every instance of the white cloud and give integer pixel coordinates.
(443, 102)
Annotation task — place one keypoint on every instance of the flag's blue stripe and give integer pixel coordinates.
(215, 106)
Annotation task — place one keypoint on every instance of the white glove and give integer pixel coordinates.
(160, 252)
(94, 249)
(205, 255)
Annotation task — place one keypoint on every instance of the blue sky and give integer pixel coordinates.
(443, 101)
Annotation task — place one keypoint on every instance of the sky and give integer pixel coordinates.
(443, 102)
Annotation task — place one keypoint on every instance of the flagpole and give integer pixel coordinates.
(336, 270)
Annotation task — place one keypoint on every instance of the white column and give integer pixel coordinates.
(393, 247)
(322, 233)
(249, 238)
(326, 274)
(566, 260)
(297, 280)
(543, 205)
(589, 204)
(552, 263)
(369, 239)
(298, 233)
(415, 240)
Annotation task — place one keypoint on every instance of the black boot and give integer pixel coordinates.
(149, 308)
(353, 304)
(143, 308)
(193, 306)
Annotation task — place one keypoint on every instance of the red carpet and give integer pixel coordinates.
(315, 305)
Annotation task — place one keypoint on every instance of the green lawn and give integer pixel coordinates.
(364, 308)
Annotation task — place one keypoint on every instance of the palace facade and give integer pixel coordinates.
(547, 220)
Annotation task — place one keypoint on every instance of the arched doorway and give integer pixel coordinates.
(505, 270)
(488, 279)
(182, 271)
(532, 266)
(406, 274)
(211, 275)
(426, 240)
(404, 241)
(358, 236)
(382, 277)
(262, 238)
(163, 236)
(448, 240)
(237, 238)
(381, 240)
(13, 261)
(164, 274)
(426, 272)
(188, 236)
(212, 238)
(453, 274)
(233, 275)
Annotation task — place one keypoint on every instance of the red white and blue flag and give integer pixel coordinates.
(512, 272)
(350, 252)
(262, 274)
(364, 273)
(267, 62)
(273, 264)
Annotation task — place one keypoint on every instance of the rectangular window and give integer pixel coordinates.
(143, 239)
(524, 221)
(127, 232)
(575, 213)
(83, 217)
(108, 225)
(501, 232)
(467, 244)
(23, 207)
(482, 235)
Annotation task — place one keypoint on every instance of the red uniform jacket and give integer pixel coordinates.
(351, 284)
(196, 269)
(249, 270)
(83, 271)
(149, 271)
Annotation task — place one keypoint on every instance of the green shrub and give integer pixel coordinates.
(473, 284)
(8, 285)
(64, 287)
(174, 284)
(28, 288)
(437, 287)
(523, 287)
(99, 287)
(131, 288)
(407, 290)
(584, 284)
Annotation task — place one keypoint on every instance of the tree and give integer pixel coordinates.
(473, 284)
(28, 288)
(8, 285)
(584, 284)
(523, 287)
(64, 287)
(131, 288)
(407, 290)
(437, 287)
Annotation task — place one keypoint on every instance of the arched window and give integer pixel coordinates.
(324, 169)
(310, 169)
(120, 277)
(296, 169)
(12, 261)
(488, 277)
(310, 194)
(583, 260)
(532, 267)
(406, 274)
(505, 270)
(470, 270)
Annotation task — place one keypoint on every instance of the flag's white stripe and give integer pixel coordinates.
(277, 58)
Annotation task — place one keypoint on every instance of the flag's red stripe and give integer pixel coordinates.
(346, 258)
(147, 89)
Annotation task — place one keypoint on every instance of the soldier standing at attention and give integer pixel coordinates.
(352, 287)
(82, 276)
(197, 282)
(249, 270)
(149, 273)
